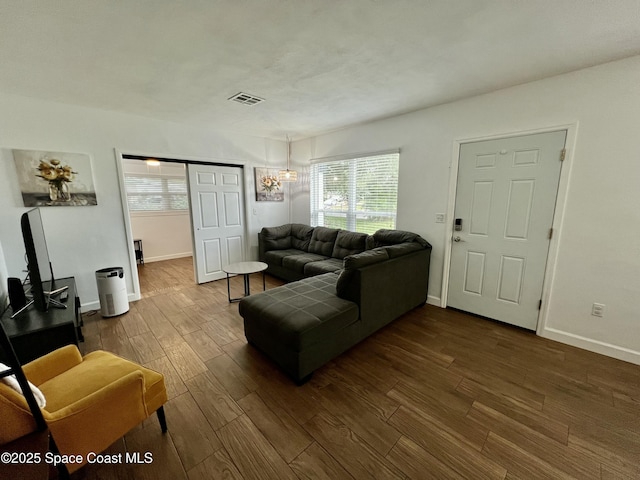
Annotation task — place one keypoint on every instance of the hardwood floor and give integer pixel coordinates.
(436, 394)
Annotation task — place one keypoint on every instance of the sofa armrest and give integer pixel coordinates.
(261, 247)
(52, 364)
(127, 391)
(388, 289)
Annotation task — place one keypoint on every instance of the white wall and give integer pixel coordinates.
(82, 240)
(164, 236)
(598, 245)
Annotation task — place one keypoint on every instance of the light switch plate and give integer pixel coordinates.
(597, 310)
(440, 217)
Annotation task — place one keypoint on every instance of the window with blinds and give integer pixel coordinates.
(357, 194)
(156, 193)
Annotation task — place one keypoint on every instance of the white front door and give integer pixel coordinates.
(217, 211)
(505, 201)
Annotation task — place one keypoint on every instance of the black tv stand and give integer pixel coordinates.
(34, 333)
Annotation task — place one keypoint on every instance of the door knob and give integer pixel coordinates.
(457, 239)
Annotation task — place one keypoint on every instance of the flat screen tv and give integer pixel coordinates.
(38, 263)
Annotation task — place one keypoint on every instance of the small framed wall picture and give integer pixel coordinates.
(268, 185)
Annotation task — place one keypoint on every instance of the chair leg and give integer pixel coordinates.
(162, 419)
(63, 471)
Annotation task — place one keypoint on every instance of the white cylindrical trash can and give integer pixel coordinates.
(112, 291)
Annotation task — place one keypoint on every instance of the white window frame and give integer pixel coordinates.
(318, 211)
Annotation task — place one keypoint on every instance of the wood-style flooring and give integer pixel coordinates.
(436, 394)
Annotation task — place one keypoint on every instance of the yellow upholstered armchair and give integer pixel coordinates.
(91, 401)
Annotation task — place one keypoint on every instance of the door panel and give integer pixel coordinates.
(511, 276)
(208, 204)
(212, 256)
(232, 212)
(519, 207)
(486, 161)
(526, 157)
(216, 194)
(506, 197)
(235, 247)
(474, 273)
(206, 178)
(481, 208)
(230, 179)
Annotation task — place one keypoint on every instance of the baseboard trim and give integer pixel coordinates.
(89, 306)
(167, 257)
(591, 345)
(433, 300)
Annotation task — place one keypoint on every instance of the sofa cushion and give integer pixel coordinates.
(323, 240)
(301, 236)
(302, 313)
(402, 249)
(349, 243)
(353, 262)
(323, 266)
(296, 263)
(385, 237)
(276, 238)
(274, 257)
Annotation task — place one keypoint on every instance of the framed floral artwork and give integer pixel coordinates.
(57, 179)
(268, 186)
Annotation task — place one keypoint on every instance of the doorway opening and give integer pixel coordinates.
(157, 197)
(166, 209)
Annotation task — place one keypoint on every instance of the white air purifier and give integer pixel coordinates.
(112, 291)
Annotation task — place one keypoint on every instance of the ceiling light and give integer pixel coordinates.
(152, 162)
(288, 175)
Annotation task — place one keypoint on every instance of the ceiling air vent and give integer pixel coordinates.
(246, 99)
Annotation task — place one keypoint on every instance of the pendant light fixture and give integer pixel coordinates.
(288, 175)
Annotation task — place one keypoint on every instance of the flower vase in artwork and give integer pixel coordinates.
(59, 176)
(59, 191)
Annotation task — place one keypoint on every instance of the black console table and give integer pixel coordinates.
(34, 333)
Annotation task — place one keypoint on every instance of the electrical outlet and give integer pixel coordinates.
(440, 217)
(597, 310)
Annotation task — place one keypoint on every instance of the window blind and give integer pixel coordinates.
(357, 194)
(149, 192)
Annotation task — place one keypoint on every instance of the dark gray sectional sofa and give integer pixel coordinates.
(345, 287)
(296, 251)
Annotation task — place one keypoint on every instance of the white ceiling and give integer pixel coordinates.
(320, 64)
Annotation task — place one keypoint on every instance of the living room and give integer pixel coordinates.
(590, 260)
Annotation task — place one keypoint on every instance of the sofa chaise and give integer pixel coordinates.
(304, 324)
